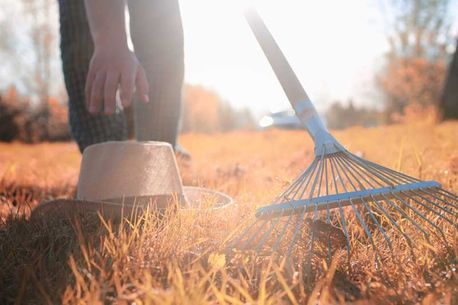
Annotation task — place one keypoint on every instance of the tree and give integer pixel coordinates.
(201, 110)
(339, 116)
(22, 121)
(28, 47)
(418, 33)
(42, 38)
(449, 101)
(9, 112)
(205, 111)
(412, 81)
(418, 29)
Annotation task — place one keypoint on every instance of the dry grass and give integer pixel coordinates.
(178, 259)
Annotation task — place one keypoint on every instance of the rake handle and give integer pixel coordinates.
(293, 89)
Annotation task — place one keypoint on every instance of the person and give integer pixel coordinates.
(97, 62)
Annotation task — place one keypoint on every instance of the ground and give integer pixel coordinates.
(181, 260)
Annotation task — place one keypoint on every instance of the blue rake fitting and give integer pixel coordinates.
(344, 199)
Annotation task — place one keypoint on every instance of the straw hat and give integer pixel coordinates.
(116, 175)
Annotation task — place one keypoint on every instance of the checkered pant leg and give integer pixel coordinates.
(157, 34)
(76, 50)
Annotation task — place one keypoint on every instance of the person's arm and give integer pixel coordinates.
(112, 63)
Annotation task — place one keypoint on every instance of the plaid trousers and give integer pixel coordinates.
(157, 35)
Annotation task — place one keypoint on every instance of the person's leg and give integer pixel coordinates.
(157, 35)
(76, 49)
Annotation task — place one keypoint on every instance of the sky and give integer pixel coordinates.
(335, 48)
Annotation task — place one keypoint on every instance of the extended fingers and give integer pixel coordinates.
(111, 85)
(127, 87)
(96, 100)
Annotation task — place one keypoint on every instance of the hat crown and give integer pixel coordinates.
(125, 169)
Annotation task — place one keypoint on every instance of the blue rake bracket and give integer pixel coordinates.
(344, 199)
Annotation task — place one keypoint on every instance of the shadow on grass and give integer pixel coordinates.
(34, 256)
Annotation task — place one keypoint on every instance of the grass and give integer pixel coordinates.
(180, 258)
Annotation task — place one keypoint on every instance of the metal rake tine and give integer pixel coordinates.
(298, 226)
(245, 233)
(308, 182)
(366, 230)
(355, 171)
(404, 214)
(374, 219)
(328, 216)
(312, 232)
(282, 233)
(308, 265)
(397, 176)
(328, 221)
(355, 210)
(292, 189)
(421, 216)
(308, 175)
(344, 227)
(395, 224)
(269, 232)
(448, 194)
(297, 185)
(388, 170)
(352, 162)
(304, 189)
(341, 163)
(299, 223)
(259, 230)
(320, 170)
(418, 193)
(342, 216)
(347, 168)
(361, 220)
(429, 192)
(431, 210)
(363, 165)
(326, 176)
(370, 166)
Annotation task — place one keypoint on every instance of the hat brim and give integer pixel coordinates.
(200, 198)
(195, 199)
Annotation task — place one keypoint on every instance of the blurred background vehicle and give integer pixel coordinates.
(285, 119)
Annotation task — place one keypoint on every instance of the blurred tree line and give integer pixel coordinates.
(341, 116)
(205, 111)
(25, 121)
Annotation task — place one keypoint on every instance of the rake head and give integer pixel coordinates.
(340, 197)
(342, 200)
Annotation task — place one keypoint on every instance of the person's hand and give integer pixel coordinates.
(109, 69)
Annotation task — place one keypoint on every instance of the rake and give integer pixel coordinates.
(341, 197)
